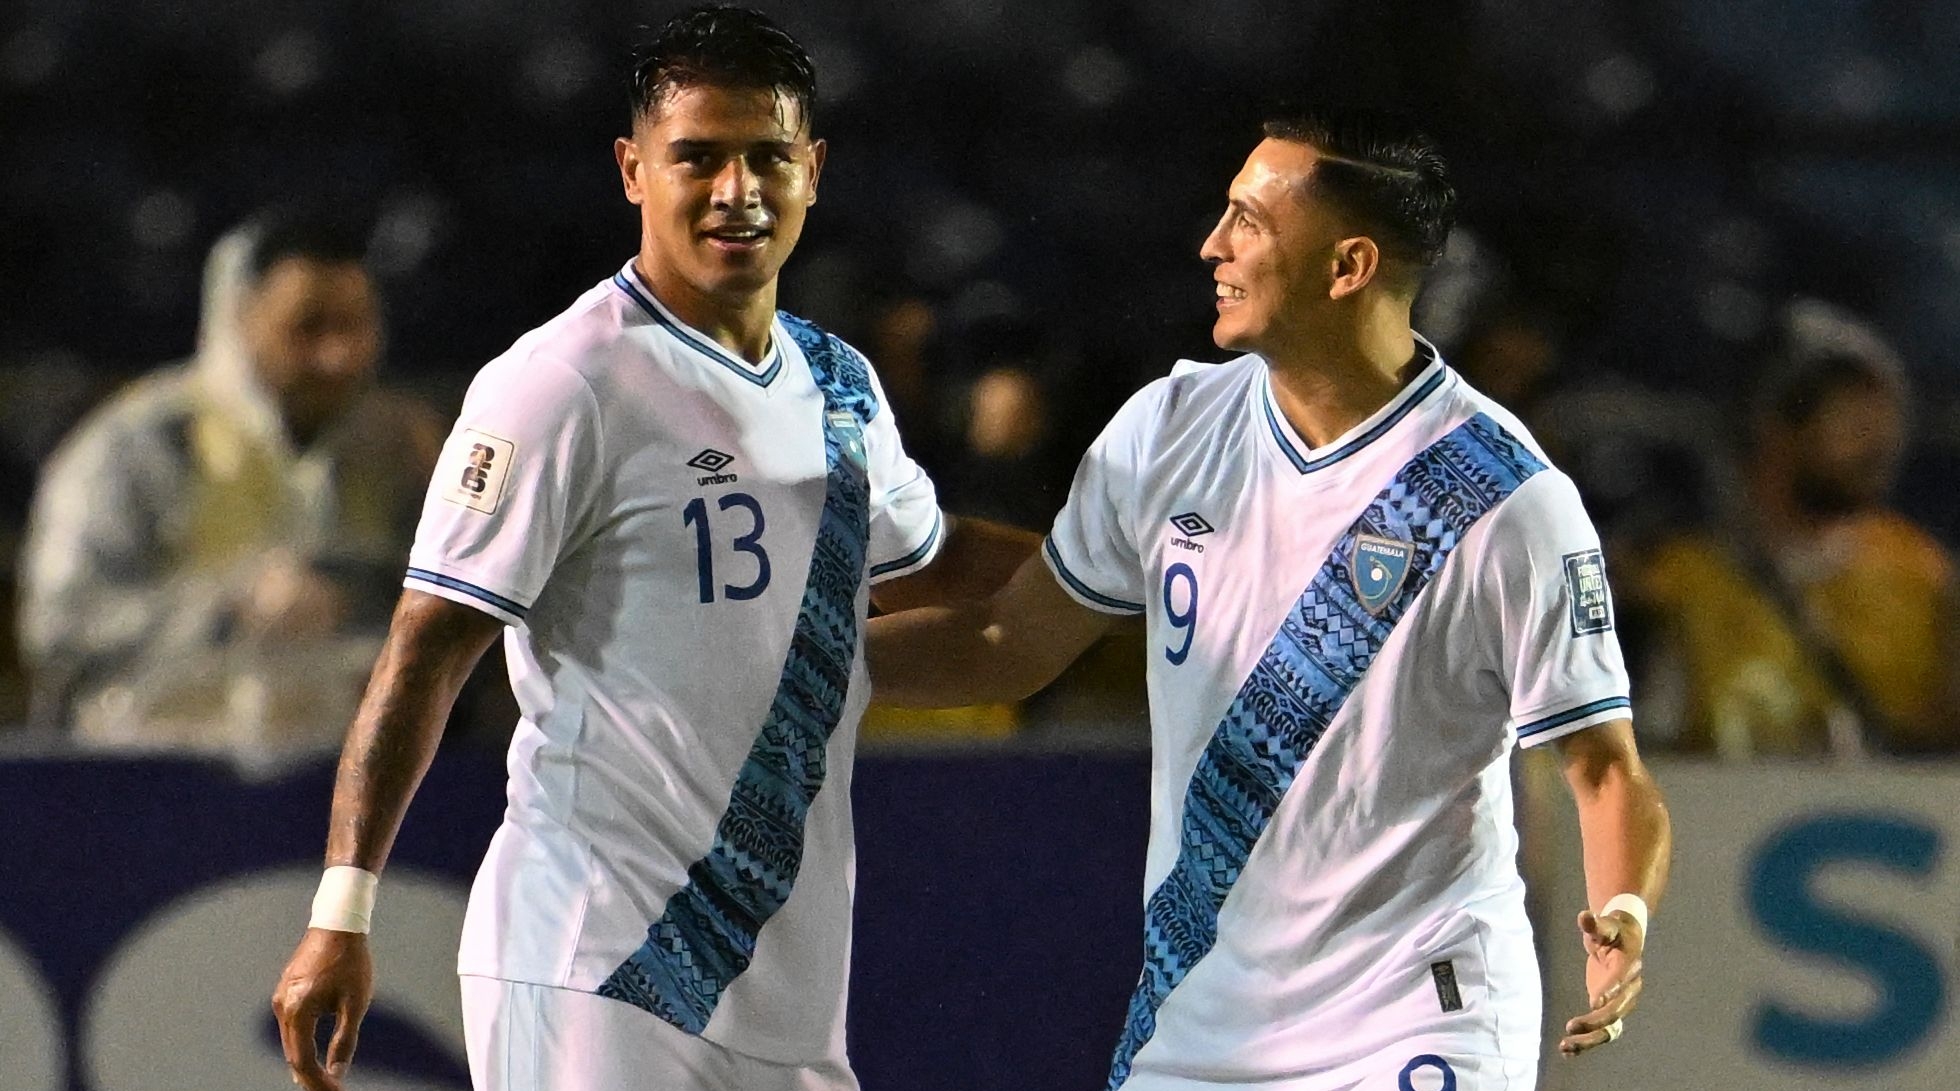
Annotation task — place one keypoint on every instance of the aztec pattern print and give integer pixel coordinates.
(707, 934)
(1323, 648)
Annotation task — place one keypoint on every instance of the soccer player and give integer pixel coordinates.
(1364, 583)
(670, 500)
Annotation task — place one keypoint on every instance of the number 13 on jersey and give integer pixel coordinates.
(696, 515)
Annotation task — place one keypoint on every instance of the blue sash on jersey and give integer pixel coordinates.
(1323, 648)
(707, 934)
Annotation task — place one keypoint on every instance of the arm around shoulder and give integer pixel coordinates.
(977, 559)
(1002, 648)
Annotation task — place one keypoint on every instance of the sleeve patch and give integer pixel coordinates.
(476, 470)
(1592, 603)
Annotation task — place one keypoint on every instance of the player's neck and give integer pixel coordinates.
(1327, 383)
(740, 324)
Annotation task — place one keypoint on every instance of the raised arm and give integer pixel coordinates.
(1002, 648)
(1628, 840)
(432, 646)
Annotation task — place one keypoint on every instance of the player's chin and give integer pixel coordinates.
(1228, 332)
(739, 273)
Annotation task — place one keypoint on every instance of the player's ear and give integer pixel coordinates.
(1357, 262)
(819, 150)
(626, 152)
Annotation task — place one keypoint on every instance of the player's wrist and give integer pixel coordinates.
(1633, 905)
(345, 900)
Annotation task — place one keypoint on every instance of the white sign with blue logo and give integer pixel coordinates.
(1807, 938)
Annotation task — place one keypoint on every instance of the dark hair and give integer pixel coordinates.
(316, 234)
(1817, 351)
(1381, 169)
(723, 46)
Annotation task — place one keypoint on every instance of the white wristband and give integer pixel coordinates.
(1633, 905)
(345, 901)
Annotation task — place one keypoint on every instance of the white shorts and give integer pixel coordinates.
(536, 1038)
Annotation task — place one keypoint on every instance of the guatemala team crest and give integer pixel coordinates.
(850, 437)
(1380, 565)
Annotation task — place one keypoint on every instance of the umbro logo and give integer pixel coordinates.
(1192, 525)
(713, 462)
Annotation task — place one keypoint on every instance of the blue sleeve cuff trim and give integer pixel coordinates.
(1573, 715)
(454, 584)
(925, 550)
(1083, 589)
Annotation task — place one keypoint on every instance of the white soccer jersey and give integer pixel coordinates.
(1345, 643)
(680, 542)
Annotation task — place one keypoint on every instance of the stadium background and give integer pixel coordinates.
(1645, 183)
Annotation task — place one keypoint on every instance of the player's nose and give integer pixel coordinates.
(736, 186)
(1214, 248)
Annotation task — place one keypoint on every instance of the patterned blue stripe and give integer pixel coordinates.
(1353, 446)
(707, 348)
(916, 555)
(1569, 715)
(1324, 647)
(1084, 589)
(470, 589)
(707, 934)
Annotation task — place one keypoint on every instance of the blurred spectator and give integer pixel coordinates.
(900, 342)
(213, 554)
(1512, 354)
(992, 474)
(1005, 471)
(1818, 620)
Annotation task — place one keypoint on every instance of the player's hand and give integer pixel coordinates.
(1614, 945)
(331, 972)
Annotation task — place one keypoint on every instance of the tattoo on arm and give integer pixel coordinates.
(432, 646)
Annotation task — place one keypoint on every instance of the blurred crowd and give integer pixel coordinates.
(1667, 269)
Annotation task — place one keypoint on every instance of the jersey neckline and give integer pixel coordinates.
(1306, 459)
(628, 281)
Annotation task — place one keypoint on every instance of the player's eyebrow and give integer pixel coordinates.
(684, 147)
(1247, 206)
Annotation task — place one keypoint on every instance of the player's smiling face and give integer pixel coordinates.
(724, 178)
(1267, 250)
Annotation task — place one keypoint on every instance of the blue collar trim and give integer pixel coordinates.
(1420, 391)
(697, 342)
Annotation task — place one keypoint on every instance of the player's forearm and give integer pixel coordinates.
(977, 559)
(431, 648)
(1624, 826)
(946, 656)
(984, 555)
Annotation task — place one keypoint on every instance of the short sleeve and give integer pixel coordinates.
(1092, 549)
(1545, 584)
(515, 481)
(906, 526)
